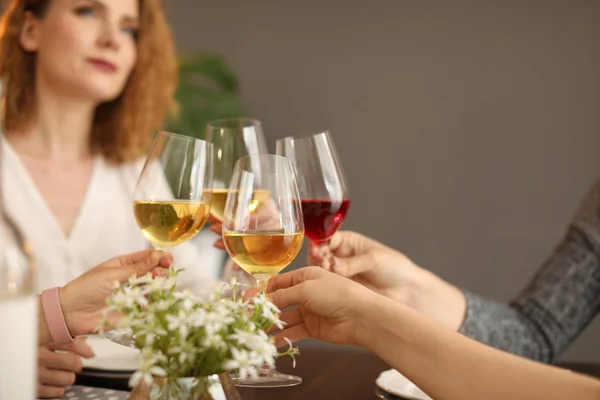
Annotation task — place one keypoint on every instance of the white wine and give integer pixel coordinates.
(264, 253)
(219, 199)
(169, 223)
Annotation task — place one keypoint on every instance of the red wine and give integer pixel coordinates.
(322, 218)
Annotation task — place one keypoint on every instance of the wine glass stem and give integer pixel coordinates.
(261, 282)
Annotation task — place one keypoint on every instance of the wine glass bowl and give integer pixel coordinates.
(232, 139)
(172, 198)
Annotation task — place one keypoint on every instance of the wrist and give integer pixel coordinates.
(369, 317)
(439, 300)
(55, 317)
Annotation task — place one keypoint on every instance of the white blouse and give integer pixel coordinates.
(105, 226)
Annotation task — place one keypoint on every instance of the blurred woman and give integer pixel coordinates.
(86, 83)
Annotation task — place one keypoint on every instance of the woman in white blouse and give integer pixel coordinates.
(85, 85)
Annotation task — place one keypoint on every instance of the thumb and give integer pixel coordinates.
(342, 244)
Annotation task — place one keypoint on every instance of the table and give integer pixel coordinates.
(329, 372)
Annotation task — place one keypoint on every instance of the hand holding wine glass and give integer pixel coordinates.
(263, 230)
(322, 187)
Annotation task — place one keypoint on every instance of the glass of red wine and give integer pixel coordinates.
(322, 187)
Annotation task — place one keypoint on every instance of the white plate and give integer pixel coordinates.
(397, 384)
(111, 356)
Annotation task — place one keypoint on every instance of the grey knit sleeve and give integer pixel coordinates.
(556, 305)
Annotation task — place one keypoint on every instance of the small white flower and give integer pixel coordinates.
(197, 318)
(157, 283)
(214, 341)
(135, 295)
(139, 376)
(149, 340)
(188, 304)
(146, 372)
(161, 305)
(292, 351)
(174, 322)
(244, 361)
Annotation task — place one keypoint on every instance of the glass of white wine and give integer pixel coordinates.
(172, 198)
(263, 230)
(232, 139)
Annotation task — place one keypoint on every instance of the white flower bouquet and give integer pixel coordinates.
(182, 336)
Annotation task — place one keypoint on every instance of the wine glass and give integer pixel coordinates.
(232, 139)
(263, 230)
(322, 187)
(172, 198)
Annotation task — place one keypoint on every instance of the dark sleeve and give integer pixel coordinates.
(558, 303)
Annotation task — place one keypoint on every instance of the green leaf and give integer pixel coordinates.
(208, 90)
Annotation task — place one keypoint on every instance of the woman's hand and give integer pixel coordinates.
(393, 275)
(329, 307)
(83, 298)
(57, 369)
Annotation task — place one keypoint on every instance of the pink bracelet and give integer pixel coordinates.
(55, 318)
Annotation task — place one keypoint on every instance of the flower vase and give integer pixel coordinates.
(215, 387)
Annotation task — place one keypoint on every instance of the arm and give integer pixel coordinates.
(442, 362)
(461, 368)
(557, 305)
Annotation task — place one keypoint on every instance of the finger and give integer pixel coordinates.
(219, 244)
(129, 259)
(292, 296)
(290, 318)
(213, 220)
(293, 278)
(55, 377)
(160, 272)
(62, 361)
(82, 348)
(79, 347)
(352, 266)
(293, 334)
(50, 392)
(348, 243)
(152, 257)
(217, 228)
(250, 293)
(314, 255)
(339, 239)
(142, 266)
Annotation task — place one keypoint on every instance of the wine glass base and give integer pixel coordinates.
(123, 340)
(268, 379)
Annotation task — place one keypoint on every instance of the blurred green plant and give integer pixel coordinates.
(208, 89)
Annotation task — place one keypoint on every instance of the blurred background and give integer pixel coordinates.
(468, 130)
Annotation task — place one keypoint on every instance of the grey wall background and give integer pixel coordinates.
(469, 130)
